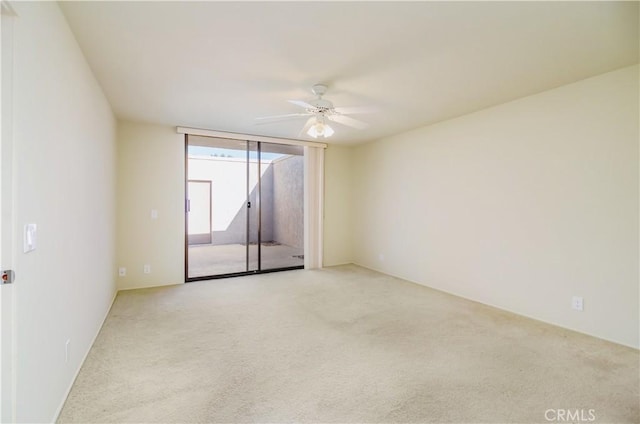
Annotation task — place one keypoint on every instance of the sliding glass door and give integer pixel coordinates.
(244, 209)
(282, 235)
(217, 210)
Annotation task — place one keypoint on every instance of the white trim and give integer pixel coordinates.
(238, 136)
(8, 319)
(150, 286)
(75, 377)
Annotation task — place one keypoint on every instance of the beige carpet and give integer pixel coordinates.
(340, 345)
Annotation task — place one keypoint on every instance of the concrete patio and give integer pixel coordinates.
(205, 260)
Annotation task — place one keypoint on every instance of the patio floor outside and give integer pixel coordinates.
(207, 260)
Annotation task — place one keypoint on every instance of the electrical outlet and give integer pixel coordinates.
(122, 271)
(147, 269)
(67, 346)
(577, 303)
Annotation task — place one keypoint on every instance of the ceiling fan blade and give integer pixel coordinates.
(306, 127)
(349, 122)
(278, 118)
(356, 110)
(301, 104)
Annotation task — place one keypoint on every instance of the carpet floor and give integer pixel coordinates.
(341, 344)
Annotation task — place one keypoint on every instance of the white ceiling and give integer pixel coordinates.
(219, 65)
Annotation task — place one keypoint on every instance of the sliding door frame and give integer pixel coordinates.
(248, 206)
(247, 217)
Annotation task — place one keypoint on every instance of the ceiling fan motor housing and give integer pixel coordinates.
(321, 105)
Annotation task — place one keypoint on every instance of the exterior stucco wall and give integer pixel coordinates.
(288, 208)
(281, 190)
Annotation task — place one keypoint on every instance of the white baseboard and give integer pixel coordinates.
(502, 308)
(66, 395)
(150, 286)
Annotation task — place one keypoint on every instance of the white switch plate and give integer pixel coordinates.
(30, 237)
(154, 214)
(577, 303)
(122, 271)
(147, 269)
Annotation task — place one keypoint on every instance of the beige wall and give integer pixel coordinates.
(338, 207)
(520, 206)
(150, 177)
(64, 181)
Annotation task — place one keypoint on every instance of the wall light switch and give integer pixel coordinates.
(122, 272)
(154, 214)
(147, 269)
(29, 238)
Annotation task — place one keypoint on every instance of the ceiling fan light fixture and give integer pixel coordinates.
(320, 129)
(328, 131)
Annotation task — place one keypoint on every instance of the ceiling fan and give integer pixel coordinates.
(320, 111)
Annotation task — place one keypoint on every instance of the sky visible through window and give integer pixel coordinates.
(230, 153)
